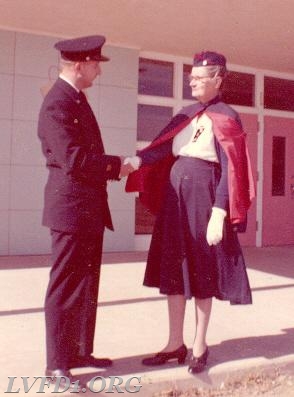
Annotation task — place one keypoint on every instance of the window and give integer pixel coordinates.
(156, 77)
(156, 81)
(278, 166)
(186, 86)
(151, 120)
(239, 89)
(278, 94)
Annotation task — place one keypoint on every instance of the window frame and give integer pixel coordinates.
(264, 95)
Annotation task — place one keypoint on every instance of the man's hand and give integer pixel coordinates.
(215, 226)
(129, 164)
(125, 170)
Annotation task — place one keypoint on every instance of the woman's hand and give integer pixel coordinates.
(134, 161)
(214, 233)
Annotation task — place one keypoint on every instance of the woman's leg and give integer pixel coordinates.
(175, 348)
(176, 313)
(202, 313)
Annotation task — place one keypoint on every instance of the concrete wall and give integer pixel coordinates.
(25, 60)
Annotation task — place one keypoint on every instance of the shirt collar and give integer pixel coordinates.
(63, 77)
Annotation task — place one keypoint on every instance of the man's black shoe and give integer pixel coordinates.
(64, 380)
(91, 361)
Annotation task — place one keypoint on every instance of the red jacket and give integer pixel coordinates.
(149, 180)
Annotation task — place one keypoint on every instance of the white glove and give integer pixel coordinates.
(214, 233)
(135, 161)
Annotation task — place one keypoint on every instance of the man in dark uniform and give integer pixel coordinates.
(76, 208)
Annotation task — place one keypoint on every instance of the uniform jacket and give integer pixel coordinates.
(75, 193)
(157, 159)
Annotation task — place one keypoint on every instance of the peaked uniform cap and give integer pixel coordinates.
(82, 49)
(209, 58)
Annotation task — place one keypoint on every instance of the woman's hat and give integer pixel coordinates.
(209, 58)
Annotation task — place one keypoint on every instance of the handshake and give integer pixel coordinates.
(128, 165)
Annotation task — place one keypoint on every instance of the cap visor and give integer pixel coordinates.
(102, 58)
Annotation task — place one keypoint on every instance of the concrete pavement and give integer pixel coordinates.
(132, 323)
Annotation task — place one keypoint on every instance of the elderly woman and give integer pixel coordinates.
(196, 177)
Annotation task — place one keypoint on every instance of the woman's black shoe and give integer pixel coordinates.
(197, 364)
(161, 358)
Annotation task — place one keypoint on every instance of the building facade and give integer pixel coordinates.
(133, 98)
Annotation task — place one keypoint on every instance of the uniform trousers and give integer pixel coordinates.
(71, 298)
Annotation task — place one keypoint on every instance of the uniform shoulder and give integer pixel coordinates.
(57, 96)
(225, 109)
(51, 94)
(57, 89)
(190, 110)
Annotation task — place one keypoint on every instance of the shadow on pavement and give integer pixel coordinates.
(267, 346)
(274, 260)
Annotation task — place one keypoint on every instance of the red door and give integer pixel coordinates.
(278, 204)
(250, 126)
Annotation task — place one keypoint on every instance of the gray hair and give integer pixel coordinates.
(217, 70)
(65, 63)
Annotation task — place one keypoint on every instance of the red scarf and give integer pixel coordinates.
(150, 180)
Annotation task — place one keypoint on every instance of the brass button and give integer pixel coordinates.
(108, 168)
(76, 121)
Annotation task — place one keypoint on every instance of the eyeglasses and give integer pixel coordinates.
(200, 78)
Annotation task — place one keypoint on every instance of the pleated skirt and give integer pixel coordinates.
(180, 261)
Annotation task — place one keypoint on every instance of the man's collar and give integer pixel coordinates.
(64, 78)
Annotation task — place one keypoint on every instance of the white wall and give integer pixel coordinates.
(24, 64)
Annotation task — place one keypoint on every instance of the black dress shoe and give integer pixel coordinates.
(161, 358)
(197, 364)
(91, 361)
(61, 377)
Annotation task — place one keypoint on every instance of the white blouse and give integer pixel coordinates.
(196, 140)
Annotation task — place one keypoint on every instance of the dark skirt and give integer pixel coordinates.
(180, 261)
